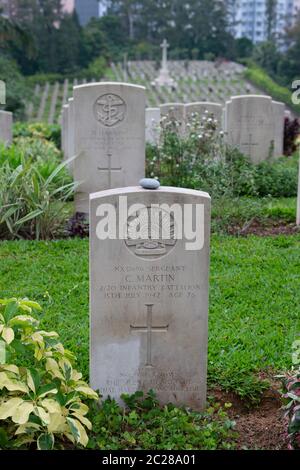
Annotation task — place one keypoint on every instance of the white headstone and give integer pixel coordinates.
(152, 125)
(174, 112)
(250, 126)
(71, 134)
(149, 296)
(201, 108)
(288, 114)
(109, 137)
(2, 92)
(6, 121)
(65, 131)
(279, 116)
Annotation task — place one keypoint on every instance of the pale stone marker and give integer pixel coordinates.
(6, 121)
(250, 126)
(65, 131)
(71, 134)
(201, 108)
(173, 112)
(279, 116)
(152, 125)
(149, 296)
(164, 78)
(2, 92)
(109, 137)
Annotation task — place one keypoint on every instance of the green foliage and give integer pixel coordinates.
(291, 386)
(41, 394)
(49, 132)
(43, 78)
(263, 81)
(253, 315)
(234, 214)
(96, 69)
(278, 179)
(33, 189)
(16, 89)
(146, 425)
(201, 160)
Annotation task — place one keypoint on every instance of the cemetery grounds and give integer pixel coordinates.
(254, 313)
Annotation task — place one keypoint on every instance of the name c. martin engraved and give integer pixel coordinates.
(151, 233)
(110, 110)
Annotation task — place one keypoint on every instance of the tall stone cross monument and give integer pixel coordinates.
(164, 78)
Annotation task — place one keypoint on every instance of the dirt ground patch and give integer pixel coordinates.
(259, 428)
(264, 228)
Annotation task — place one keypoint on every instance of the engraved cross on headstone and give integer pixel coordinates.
(149, 329)
(109, 169)
(250, 145)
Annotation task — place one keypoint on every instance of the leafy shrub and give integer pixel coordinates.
(291, 133)
(278, 179)
(201, 160)
(261, 79)
(292, 396)
(36, 150)
(49, 132)
(32, 205)
(34, 187)
(41, 395)
(17, 91)
(96, 69)
(78, 226)
(291, 383)
(146, 425)
(43, 78)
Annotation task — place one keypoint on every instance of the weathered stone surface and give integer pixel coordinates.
(203, 108)
(6, 120)
(149, 297)
(152, 125)
(109, 137)
(279, 116)
(71, 134)
(149, 183)
(65, 131)
(164, 79)
(174, 112)
(250, 126)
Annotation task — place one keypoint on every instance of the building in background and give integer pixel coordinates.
(68, 5)
(258, 20)
(297, 7)
(86, 10)
(7, 8)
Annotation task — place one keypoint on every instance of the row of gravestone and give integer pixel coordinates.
(6, 121)
(105, 125)
(149, 255)
(252, 123)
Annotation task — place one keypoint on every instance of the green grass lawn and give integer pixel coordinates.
(254, 300)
